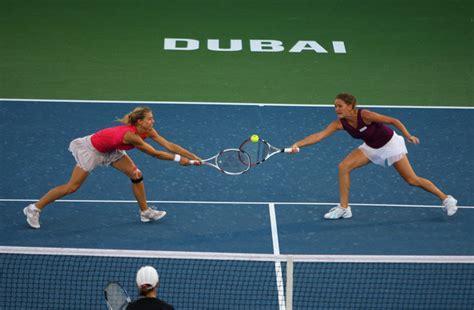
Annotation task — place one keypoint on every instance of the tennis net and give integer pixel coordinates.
(60, 278)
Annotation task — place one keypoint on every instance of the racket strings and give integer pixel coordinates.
(116, 296)
(257, 151)
(233, 161)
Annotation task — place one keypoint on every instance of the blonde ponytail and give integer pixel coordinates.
(134, 116)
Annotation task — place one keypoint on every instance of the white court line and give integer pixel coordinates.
(234, 203)
(276, 243)
(276, 251)
(309, 105)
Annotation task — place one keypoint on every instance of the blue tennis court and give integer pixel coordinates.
(275, 209)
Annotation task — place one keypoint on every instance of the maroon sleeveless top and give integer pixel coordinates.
(374, 135)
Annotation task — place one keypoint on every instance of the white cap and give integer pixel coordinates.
(147, 276)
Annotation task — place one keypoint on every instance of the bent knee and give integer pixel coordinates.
(137, 176)
(412, 180)
(343, 168)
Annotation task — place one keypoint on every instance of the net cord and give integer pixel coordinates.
(239, 256)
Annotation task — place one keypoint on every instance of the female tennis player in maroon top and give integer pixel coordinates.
(381, 145)
(108, 147)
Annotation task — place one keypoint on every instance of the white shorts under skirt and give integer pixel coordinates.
(391, 152)
(88, 158)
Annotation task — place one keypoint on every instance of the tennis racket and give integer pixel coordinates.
(116, 296)
(228, 161)
(261, 150)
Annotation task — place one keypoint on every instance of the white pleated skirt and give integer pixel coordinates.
(88, 158)
(390, 153)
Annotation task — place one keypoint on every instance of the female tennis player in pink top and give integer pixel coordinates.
(108, 147)
(381, 145)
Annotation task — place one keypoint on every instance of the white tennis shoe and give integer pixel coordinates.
(151, 214)
(450, 205)
(32, 215)
(338, 212)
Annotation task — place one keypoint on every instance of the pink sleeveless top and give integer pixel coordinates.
(111, 139)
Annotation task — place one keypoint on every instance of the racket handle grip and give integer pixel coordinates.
(194, 162)
(290, 150)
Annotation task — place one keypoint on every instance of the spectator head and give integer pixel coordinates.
(147, 279)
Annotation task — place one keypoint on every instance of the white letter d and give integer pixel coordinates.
(189, 44)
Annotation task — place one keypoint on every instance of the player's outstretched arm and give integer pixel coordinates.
(318, 136)
(172, 147)
(139, 143)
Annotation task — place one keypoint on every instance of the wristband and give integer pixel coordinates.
(177, 157)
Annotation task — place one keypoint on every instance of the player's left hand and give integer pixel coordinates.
(414, 140)
(294, 149)
(193, 162)
(184, 161)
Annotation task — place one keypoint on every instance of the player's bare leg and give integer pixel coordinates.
(354, 160)
(78, 177)
(126, 165)
(32, 211)
(406, 171)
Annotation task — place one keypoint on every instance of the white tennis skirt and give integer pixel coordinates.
(88, 158)
(391, 152)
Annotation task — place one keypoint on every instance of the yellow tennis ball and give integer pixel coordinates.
(254, 138)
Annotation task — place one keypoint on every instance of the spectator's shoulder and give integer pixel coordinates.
(165, 306)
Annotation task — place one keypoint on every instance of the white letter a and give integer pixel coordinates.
(307, 45)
